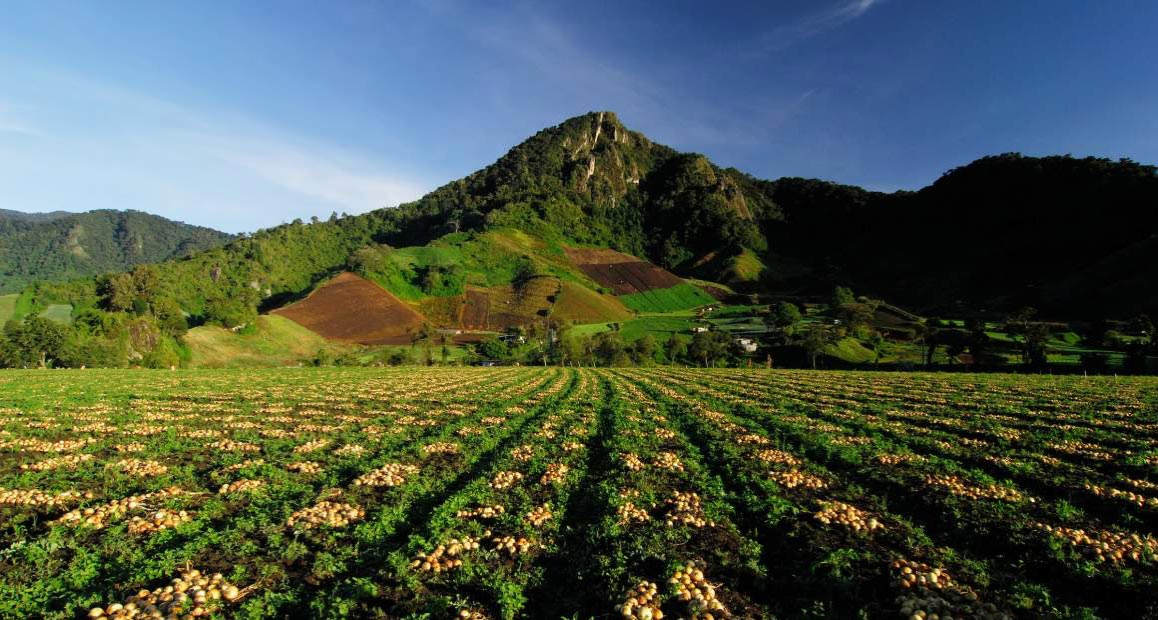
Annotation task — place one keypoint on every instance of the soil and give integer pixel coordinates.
(598, 256)
(475, 310)
(629, 278)
(353, 309)
(623, 273)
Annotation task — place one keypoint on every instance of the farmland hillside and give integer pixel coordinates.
(1048, 224)
(590, 222)
(353, 309)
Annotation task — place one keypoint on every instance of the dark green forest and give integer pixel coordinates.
(62, 246)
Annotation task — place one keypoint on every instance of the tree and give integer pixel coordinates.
(785, 315)
(493, 350)
(609, 349)
(1136, 359)
(701, 347)
(677, 348)
(430, 279)
(1018, 321)
(815, 340)
(570, 346)
(710, 347)
(146, 282)
(842, 295)
(1034, 345)
(1095, 333)
(170, 318)
(979, 340)
(644, 349)
(424, 337)
(1094, 362)
(1032, 337)
(524, 272)
(230, 311)
(932, 341)
(37, 342)
(858, 316)
(1143, 326)
(95, 322)
(117, 292)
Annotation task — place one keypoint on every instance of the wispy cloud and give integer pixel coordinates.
(208, 166)
(814, 24)
(331, 178)
(12, 122)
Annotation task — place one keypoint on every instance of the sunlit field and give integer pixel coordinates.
(551, 493)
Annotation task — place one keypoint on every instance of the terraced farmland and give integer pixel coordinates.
(561, 493)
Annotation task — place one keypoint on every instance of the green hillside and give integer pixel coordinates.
(60, 246)
(488, 249)
(274, 341)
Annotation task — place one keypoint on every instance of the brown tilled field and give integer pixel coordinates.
(510, 307)
(622, 273)
(598, 256)
(628, 278)
(353, 309)
(476, 309)
(500, 307)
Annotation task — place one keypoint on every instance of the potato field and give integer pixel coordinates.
(549, 493)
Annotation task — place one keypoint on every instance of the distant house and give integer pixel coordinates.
(747, 344)
(699, 329)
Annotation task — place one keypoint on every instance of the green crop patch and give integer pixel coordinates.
(573, 493)
(682, 296)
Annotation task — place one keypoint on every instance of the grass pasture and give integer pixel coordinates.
(659, 326)
(8, 307)
(61, 313)
(276, 341)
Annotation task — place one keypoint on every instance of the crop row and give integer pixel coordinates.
(546, 493)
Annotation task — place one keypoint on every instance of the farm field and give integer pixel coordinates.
(549, 493)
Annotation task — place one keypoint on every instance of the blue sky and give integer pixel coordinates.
(241, 115)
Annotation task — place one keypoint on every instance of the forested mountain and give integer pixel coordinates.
(593, 181)
(1073, 237)
(588, 181)
(61, 246)
(20, 216)
(1056, 232)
